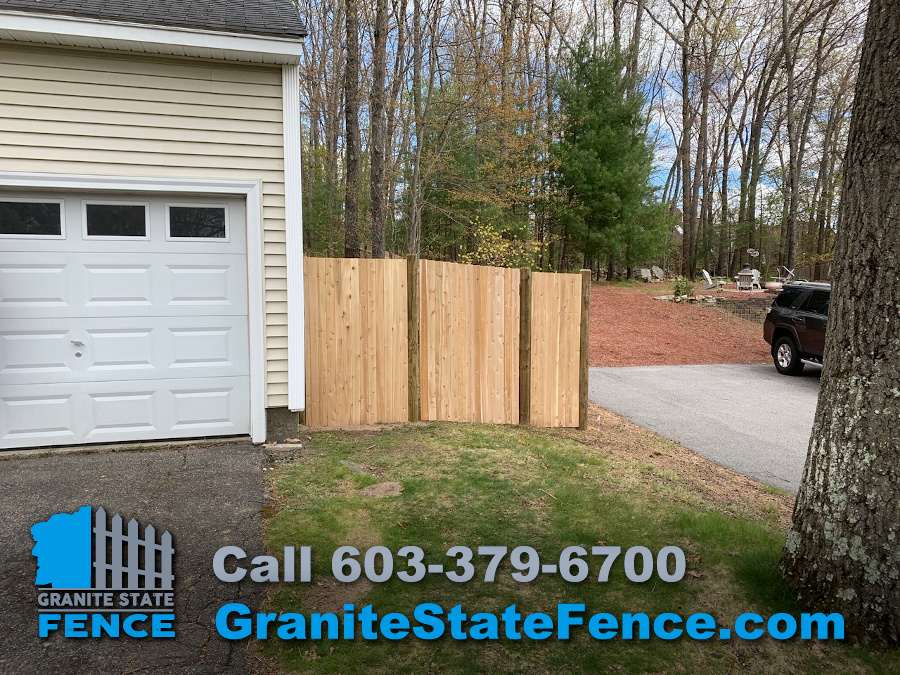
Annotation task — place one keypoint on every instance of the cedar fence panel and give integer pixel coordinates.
(364, 341)
(469, 343)
(555, 349)
(356, 341)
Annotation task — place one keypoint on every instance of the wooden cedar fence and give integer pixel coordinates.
(356, 341)
(398, 340)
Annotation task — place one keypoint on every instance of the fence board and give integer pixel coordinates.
(469, 343)
(555, 349)
(356, 341)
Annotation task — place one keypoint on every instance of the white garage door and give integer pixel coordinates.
(121, 318)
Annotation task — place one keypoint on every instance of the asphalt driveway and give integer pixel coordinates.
(206, 498)
(746, 418)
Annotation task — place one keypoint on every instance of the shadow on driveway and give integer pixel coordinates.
(206, 498)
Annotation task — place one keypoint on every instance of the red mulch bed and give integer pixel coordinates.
(630, 328)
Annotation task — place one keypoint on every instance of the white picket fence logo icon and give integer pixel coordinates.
(127, 569)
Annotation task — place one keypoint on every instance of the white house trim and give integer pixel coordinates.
(293, 214)
(251, 191)
(137, 37)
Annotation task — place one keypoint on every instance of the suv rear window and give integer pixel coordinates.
(787, 297)
(818, 303)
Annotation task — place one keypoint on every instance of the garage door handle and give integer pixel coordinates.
(78, 343)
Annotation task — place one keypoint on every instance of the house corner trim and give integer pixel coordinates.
(293, 205)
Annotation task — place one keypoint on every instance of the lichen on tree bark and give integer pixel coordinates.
(841, 552)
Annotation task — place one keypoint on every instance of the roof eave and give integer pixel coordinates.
(69, 31)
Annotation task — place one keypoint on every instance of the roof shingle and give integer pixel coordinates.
(261, 17)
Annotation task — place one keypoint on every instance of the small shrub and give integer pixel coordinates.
(683, 289)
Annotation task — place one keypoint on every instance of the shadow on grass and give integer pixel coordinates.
(752, 553)
(757, 571)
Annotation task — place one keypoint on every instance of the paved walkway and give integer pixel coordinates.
(206, 498)
(746, 418)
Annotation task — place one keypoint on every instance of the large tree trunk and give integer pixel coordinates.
(687, 208)
(792, 180)
(823, 190)
(753, 163)
(351, 116)
(698, 214)
(414, 236)
(725, 228)
(396, 114)
(841, 552)
(617, 25)
(378, 124)
(635, 47)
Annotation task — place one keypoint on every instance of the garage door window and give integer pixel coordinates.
(198, 222)
(115, 221)
(31, 219)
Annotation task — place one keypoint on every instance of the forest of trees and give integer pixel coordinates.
(603, 133)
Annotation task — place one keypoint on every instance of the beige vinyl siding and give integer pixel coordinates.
(83, 112)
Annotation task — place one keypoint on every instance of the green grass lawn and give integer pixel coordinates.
(477, 485)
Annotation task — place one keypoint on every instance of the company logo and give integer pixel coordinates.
(97, 578)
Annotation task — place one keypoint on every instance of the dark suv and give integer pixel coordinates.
(795, 325)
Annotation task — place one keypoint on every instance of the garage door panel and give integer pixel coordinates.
(201, 409)
(121, 286)
(29, 286)
(173, 409)
(115, 285)
(30, 353)
(43, 351)
(209, 347)
(114, 350)
(123, 412)
(37, 419)
(104, 412)
(111, 339)
(202, 285)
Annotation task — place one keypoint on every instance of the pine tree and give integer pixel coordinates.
(603, 160)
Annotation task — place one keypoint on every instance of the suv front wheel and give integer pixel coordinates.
(787, 359)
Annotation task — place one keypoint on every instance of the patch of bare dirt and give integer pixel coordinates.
(330, 595)
(630, 328)
(727, 490)
(383, 490)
